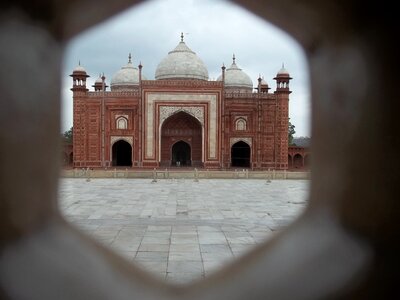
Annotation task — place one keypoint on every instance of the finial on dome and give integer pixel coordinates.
(129, 58)
(182, 36)
(79, 62)
(233, 58)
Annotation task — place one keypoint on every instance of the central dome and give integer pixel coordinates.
(181, 63)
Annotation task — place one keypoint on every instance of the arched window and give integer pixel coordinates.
(241, 124)
(122, 123)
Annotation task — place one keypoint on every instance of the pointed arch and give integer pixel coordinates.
(121, 152)
(181, 126)
(121, 123)
(241, 124)
(240, 154)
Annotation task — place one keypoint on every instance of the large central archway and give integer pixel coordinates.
(181, 135)
(240, 155)
(122, 154)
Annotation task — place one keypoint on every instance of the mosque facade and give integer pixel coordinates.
(181, 118)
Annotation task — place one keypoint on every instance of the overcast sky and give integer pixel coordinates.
(214, 29)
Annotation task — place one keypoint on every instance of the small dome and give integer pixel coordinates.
(283, 71)
(181, 63)
(79, 69)
(235, 78)
(263, 82)
(126, 78)
(99, 80)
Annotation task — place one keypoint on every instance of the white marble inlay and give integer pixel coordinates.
(128, 139)
(195, 111)
(247, 140)
(175, 98)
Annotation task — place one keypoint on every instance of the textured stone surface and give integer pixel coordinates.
(181, 230)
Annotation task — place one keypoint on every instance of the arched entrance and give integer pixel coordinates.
(181, 140)
(181, 154)
(240, 155)
(298, 161)
(122, 154)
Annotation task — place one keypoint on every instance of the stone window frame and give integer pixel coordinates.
(240, 120)
(342, 246)
(118, 122)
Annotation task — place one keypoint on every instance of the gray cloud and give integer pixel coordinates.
(213, 29)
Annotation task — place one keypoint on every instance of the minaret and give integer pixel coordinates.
(79, 76)
(281, 143)
(282, 81)
(100, 84)
(223, 68)
(262, 85)
(140, 66)
(79, 94)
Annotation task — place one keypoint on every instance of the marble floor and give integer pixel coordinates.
(181, 230)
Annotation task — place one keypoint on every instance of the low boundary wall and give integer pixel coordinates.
(182, 173)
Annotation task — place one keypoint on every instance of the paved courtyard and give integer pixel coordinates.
(181, 230)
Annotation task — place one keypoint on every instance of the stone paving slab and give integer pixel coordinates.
(181, 230)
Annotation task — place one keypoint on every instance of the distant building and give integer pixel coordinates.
(181, 118)
(299, 158)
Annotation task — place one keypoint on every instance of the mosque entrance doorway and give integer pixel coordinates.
(181, 141)
(181, 154)
(240, 155)
(122, 154)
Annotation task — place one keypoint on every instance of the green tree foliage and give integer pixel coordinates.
(67, 136)
(291, 133)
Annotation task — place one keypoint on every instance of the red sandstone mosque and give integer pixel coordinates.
(181, 118)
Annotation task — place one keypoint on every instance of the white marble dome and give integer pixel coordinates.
(99, 80)
(263, 82)
(236, 79)
(126, 78)
(283, 71)
(181, 63)
(79, 69)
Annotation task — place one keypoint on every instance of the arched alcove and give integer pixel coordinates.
(122, 154)
(185, 128)
(181, 154)
(240, 155)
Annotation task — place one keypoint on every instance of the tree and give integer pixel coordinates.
(291, 133)
(68, 135)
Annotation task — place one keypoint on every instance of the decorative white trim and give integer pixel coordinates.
(194, 111)
(125, 116)
(247, 140)
(174, 99)
(128, 139)
(240, 124)
(121, 121)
